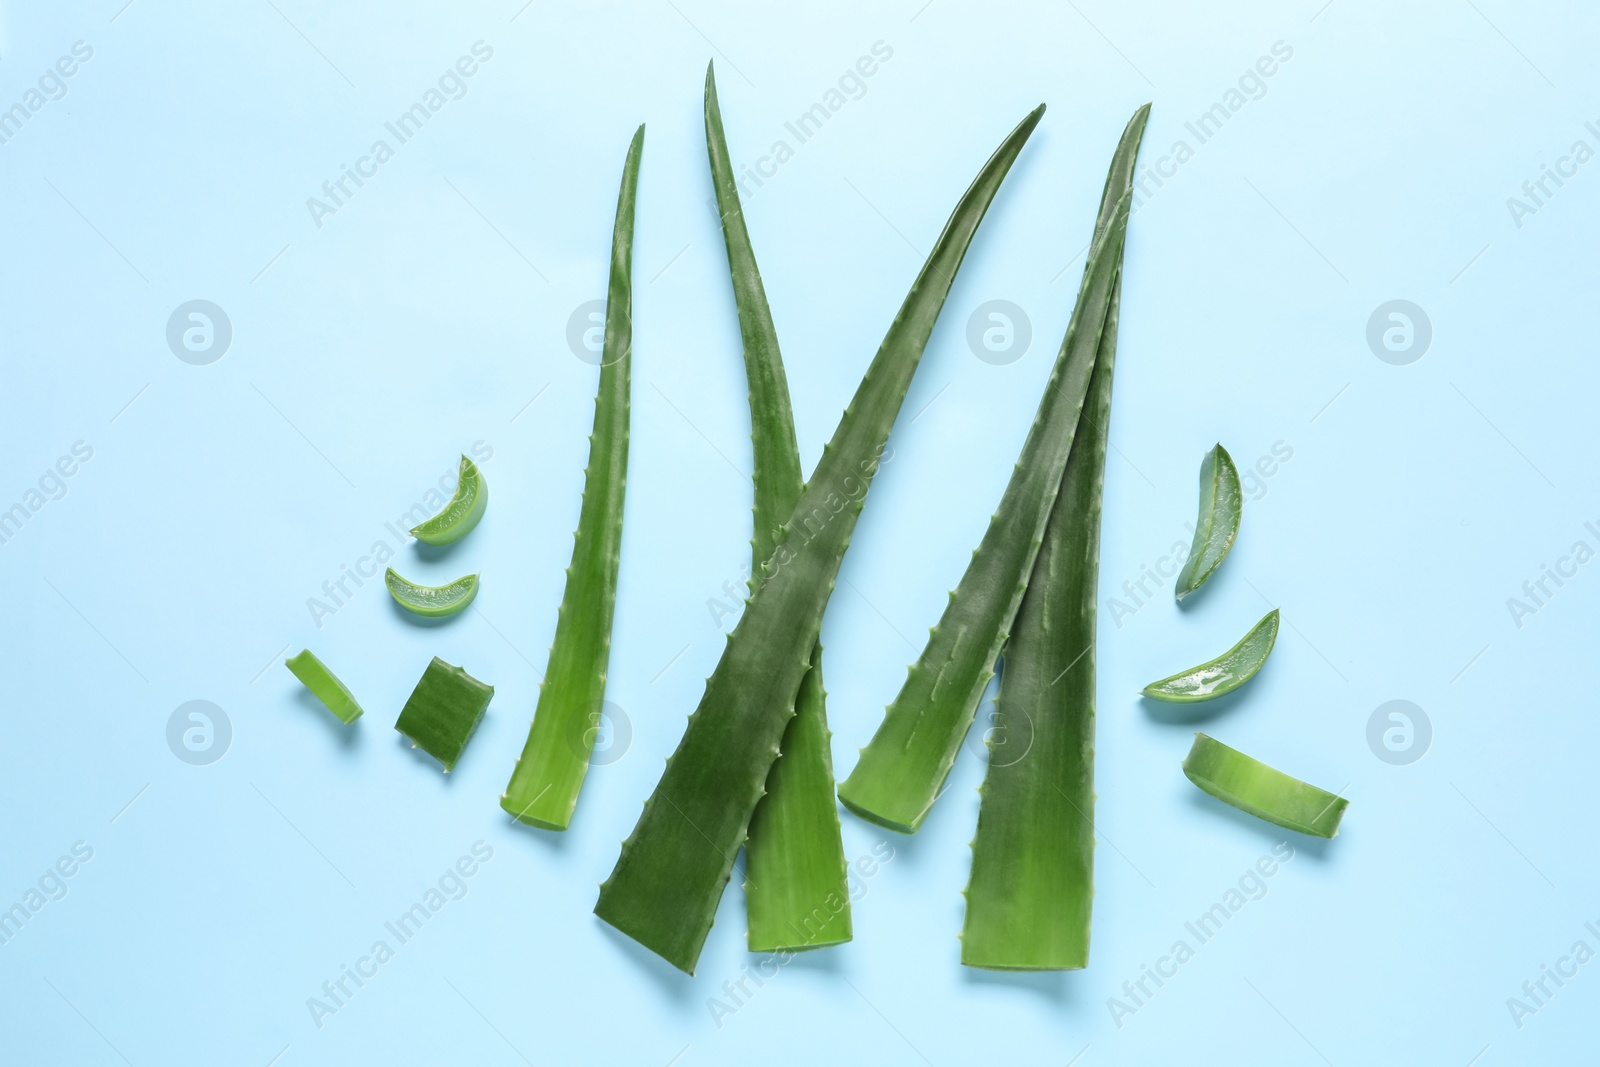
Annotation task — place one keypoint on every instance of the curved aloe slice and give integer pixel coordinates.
(796, 889)
(434, 601)
(1252, 786)
(664, 889)
(544, 786)
(1032, 883)
(1218, 524)
(461, 514)
(903, 768)
(1224, 674)
(324, 685)
(443, 711)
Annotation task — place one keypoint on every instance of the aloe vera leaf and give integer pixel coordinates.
(433, 601)
(1217, 677)
(664, 889)
(796, 884)
(1031, 888)
(324, 685)
(462, 514)
(903, 768)
(1252, 786)
(549, 774)
(1221, 501)
(443, 711)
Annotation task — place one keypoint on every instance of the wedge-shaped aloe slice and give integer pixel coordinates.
(434, 601)
(549, 774)
(324, 685)
(462, 513)
(903, 768)
(443, 711)
(1032, 882)
(796, 888)
(1221, 501)
(1252, 786)
(1217, 677)
(664, 889)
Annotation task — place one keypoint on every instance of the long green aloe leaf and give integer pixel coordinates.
(796, 885)
(904, 766)
(1032, 881)
(664, 889)
(549, 774)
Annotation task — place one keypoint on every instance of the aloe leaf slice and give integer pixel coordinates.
(324, 685)
(664, 889)
(1222, 675)
(1252, 786)
(443, 711)
(1221, 501)
(549, 774)
(1031, 888)
(434, 601)
(797, 890)
(903, 768)
(463, 512)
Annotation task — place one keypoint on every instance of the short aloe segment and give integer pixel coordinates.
(796, 887)
(443, 711)
(462, 513)
(664, 889)
(1217, 677)
(1221, 502)
(903, 768)
(1032, 883)
(1252, 786)
(324, 685)
(549, 774)
(434, 601)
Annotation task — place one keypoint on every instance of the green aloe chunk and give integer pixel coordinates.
(324, 685)
(434, 601)
(461, 514)
(1217, 677)
(796, 886)
(549, 774)
(1220, 503)
(1252, 786)
(903, 768)
(443, 710)
(664, 889)
(1031, 888)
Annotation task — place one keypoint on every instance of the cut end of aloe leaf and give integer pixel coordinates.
(462, 513)
(1269, 794)
(1222, 675)
(1216, 527)
(433, 601)
(529, 813)
(443, 711)
(324, 685)
(900, 822)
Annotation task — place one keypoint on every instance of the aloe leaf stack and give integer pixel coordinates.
(796, 885)
(1031, 887)
(902, 769)
(670, 875)
(549, 774)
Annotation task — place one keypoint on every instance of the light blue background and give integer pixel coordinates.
(432, 309)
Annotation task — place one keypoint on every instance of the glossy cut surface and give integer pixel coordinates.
(1217, 677)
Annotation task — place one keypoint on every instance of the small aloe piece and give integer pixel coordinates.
(443, 711)
(1220, 503)
(433, 601)
(797, 890)
(1032, 884)
(324, 685)
(664, 889)
(904, 766)
(462, 514)
(549, 774)
(1216, 677)
(1252, 786)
